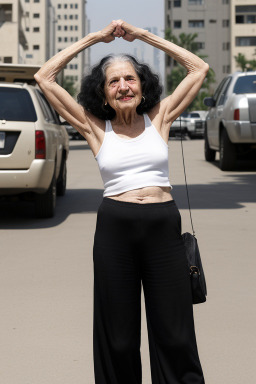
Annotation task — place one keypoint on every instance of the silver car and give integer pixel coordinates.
(231, 120)
(196, 124)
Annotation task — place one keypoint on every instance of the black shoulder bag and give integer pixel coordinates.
(197, 277)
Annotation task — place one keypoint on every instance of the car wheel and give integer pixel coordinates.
(209, 153)
(62, 179)
(45, 203)
(227, 152)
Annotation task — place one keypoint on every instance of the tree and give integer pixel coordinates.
(178, 72)
(68, 85)
(244, 64)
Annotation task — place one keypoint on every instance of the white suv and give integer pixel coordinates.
(34, 144)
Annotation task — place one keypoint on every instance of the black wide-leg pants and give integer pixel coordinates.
(140, 245)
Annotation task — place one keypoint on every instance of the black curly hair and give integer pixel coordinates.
(92, 96)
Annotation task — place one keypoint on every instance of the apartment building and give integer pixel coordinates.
(32, 31)
(71, 26)
(224, 28)
(39, 30)
(13, 42)
(243, 30)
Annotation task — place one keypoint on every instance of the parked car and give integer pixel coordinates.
(178, 126)
(72, 132)
(231, 120)
(34, 145)
(196, 123)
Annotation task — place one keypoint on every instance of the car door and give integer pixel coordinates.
(212, 120)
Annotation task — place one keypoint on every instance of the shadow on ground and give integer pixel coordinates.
(221, 195)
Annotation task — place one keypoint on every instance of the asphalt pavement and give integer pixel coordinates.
(46, 274)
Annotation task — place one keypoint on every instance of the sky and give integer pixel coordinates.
(140, 13)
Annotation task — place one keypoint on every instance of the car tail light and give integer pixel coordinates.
(236, 114)
(40, 145)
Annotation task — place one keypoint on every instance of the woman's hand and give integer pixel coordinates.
(127, 31)
(107, 33)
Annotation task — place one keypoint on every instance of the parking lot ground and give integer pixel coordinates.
(46, 274)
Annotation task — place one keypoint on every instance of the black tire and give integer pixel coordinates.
(45, 203)
(227, 152)
(209, 153)
(62, 179)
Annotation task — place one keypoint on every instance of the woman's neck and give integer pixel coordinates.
(126, 118)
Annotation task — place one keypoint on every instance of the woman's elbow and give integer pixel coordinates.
(205, 68)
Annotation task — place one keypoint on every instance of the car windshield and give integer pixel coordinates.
(194, 115)
(16, 105)
(245, 84)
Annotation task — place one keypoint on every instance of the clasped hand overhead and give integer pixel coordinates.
(119, 28)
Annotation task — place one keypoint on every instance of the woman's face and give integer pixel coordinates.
(122, 86)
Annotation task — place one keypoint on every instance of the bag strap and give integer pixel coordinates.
(194, 234)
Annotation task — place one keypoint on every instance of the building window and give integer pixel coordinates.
(226, 69)
(59, 27)
(177, 24)
(225, 23)
(36, 47)
(71, 66)
(71, 5)
(5, 12)
(212, 21)
(195, 2)
(75, 66)
(27, 29)
(7, 59)
(76, 39)
(27, 14)
(59, 6)
(36, 29)
(29, 56)
(196, 23)
(76, 17)
(59, 39)
(226, 46)
(71, 27)
(65, 6)
(36, 15)
(36, 1)
(245, 8)
(245, 19)
(65, 39)
(199, 45)
(169, 4)
(76, 28)
(225, 1)
(65, 28)
(245, 41)
(59, 17)
(177, 3)
(26, 1)
(65, 17)
(76, 6)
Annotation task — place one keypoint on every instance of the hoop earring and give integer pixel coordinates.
(143, 100)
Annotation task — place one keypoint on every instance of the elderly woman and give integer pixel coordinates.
(138, 231)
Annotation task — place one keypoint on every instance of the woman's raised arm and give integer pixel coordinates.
(58, 97)
(172, 106)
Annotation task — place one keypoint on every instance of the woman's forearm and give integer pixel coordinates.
(190, 61)
(53, 66)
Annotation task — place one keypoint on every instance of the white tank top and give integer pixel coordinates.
(127, 164)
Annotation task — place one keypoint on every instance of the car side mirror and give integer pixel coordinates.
(209, 102)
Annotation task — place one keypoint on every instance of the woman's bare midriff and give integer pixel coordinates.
(145, 195)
